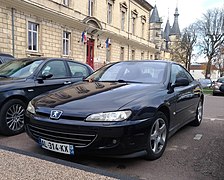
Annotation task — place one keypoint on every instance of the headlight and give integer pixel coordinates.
(109, 116)
(30, 108)
(216, 87)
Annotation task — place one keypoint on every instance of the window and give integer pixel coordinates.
(56, 68)
(134, 15)
(133, 25)
(143, 29)
(33, 36)
(91, 7)
(179, 72)
(122, 20)
(122, 54)
(78, 70)
(109, 12)
(123, 10)
(66, 42)
(143, 20)
(142, 55)
(65, 2)
(108, 54)
(132, 54)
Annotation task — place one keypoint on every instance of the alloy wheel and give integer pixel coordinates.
(200, 112)
(15, 117)
(158, 136)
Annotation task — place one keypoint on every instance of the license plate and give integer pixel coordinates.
(57, 147)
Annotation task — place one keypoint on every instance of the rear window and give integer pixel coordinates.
(6, 58)
(220, 80)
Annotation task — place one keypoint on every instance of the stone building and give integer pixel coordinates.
(90, 31)
(164, 39)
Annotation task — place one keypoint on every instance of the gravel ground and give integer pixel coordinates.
(14, 166)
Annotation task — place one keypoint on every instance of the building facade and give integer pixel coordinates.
(90, 31)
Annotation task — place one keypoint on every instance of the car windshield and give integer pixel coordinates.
(19, 68)
(139, 72)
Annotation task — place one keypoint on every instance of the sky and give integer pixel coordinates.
(189, 10)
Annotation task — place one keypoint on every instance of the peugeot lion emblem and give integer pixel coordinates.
(55, 114)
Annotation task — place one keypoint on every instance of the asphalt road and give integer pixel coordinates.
(192, 153)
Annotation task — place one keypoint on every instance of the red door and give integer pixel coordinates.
(90, 53)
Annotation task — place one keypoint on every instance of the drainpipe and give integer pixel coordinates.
(129, 6)
(13, 32)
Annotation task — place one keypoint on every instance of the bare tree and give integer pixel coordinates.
(210, 31)
(219, 60)
(182, 50)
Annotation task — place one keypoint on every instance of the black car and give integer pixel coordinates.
(5, 58)
(23, 79)
(124, 109)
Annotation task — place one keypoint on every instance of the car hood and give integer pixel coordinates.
(84, 98)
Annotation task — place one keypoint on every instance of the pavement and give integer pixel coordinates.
(20, 165)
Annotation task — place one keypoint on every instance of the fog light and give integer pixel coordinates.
(114, 141)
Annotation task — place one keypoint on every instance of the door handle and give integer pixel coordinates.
(67, 82)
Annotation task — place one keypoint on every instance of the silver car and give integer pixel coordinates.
(218, 86)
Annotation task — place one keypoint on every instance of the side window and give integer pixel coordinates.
(179, 72)
(57, 68)
(78, 70)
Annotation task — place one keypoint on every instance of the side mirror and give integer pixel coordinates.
(45, 76)
(181, 82)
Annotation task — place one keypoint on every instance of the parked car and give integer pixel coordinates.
(205, 83)
(23, 79)
(218, 86)
(5, 58)
(124, 109)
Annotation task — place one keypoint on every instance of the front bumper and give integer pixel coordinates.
(105, 139)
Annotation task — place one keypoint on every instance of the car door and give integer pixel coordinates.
(184, 95)
(60, 76)
(78, 71)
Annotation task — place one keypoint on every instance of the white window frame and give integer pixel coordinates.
(91, 5)
(110, 11)
(122, 54)
(142, 55)
(32, 31)
(65, 2)
(108, 54)
(132, 54)
(133, 25)
(66, 43)
(143, 29)
(123, 17)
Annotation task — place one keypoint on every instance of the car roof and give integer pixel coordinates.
(45, 59)
(165, 61)
(5, 54)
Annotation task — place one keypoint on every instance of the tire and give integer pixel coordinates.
(12, 115)
(199, 114)
(157, 137)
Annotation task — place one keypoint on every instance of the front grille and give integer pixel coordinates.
(76, 139)
(46, 115)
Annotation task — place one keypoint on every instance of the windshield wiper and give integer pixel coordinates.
(4, 76)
